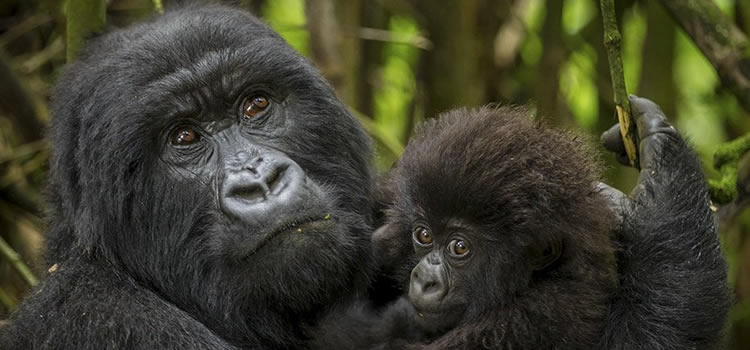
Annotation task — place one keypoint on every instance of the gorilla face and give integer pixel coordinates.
(206, 158)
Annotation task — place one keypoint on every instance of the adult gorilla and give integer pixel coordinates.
(207, 191)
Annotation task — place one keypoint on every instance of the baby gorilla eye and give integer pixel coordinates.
(422, 236)
(254, 106)
(458, 248)
(183, 136)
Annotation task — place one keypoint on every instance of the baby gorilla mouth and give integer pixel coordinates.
(438, 320)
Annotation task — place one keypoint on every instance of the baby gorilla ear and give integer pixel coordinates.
(545, 253)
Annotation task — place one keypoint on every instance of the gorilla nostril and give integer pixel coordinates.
(252, 169)
(275, 179)
(251, 192)
(430, 287)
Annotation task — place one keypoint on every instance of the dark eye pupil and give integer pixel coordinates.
(184, 136)
(255, 105)
(261, 102)
(423, 236)
(459, 248)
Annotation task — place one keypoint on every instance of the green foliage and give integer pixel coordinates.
(633, 35)
(535, 16)
(395, 95)
(578, 85)
(698, 113)
(83, 18)
(726, 159)
(577, 14)
(287, 17)
(531, 47)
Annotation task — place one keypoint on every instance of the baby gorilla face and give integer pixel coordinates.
(462, 272)
(501, 226)
(440, 284)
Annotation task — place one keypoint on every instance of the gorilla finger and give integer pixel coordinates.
(612, 140)
(622, 158)
(617, 201)
(649, 118)
(654, 129)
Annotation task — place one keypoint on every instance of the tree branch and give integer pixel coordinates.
(723, 44)
(7, 251)
(612, 42)
(16, 102)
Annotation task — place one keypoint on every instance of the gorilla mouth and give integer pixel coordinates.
(438, 320)
(298, 226)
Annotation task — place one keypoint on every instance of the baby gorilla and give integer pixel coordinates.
(511, 235)
(508, 241)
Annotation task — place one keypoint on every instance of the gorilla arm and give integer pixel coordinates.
(673, 291)
(103, 309)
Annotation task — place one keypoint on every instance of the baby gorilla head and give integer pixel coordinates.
(509, 233)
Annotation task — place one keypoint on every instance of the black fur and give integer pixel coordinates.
(520, 182)
(673, 291)
(146, 257)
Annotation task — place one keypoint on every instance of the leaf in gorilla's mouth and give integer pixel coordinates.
(298, 224)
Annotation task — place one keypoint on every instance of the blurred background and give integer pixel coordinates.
(398, 62)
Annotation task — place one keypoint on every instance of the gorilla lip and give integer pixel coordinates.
(317, 221)
(299, 223)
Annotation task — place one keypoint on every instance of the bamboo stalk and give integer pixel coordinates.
(7, 251)
(82, 18)
(612, 42)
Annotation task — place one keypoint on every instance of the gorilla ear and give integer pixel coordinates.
(544, 254)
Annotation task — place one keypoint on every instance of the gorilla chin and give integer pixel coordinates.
(434, 322)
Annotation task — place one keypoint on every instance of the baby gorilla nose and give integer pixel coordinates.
(260, 185)
(427, 287)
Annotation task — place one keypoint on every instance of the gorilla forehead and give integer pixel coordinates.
(209, 47)
(496, 164)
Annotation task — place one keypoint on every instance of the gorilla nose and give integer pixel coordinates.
(427, 287)
(258, 185)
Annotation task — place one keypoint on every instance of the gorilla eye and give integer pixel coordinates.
(254, 106)
(422, 236)
(183, 136)
(458, 248)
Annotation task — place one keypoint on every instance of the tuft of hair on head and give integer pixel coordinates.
(496, 164)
